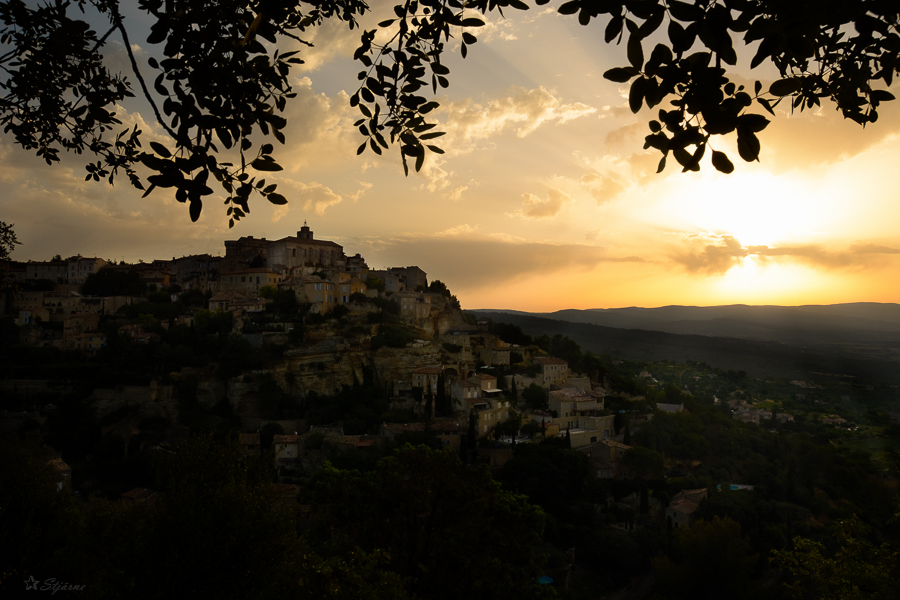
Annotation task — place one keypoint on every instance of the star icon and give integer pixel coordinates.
(31, 583)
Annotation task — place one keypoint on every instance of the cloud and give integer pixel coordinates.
(458, 230)
(320, 132)
(713, 258)
(467, 121)
(471, 262)
(315, 197)
(604, 188)
(534, 207)
(365, 187)
(457, 193)
(725, 252)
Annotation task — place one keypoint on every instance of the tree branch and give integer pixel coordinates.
(121, 27)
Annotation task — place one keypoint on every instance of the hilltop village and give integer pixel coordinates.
(326, 321)
(286, 418)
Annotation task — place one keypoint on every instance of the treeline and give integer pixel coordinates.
(419, 525)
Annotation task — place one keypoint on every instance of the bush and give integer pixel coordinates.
(392, 337)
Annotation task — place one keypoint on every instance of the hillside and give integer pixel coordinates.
(857, 323)
(863, 362)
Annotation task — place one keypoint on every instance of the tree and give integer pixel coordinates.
(535, 396)
(449, 530)
(711, 560)
(857, 570)
(643, 463)
(8, 240)
(220, 78)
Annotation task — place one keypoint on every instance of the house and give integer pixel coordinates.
(79, 268)
(287, 449)
(447, 430)
(248, 281)
(426, 377)
(684, 504)
(393, 283)
(489, 412)
(553, 371)
(89, 342)
(670, 408)
(414, 306)
(136, 334)
(32, 314)
(462, 390)
(413, 278)
(497, 354)
(291, 252)
(488, 384)
(236, 301)
(604, 458)
(356, 265)
(572, 405)
(249, 444)
(56, 271)
(63, 473)
(347, 287)
(196, 272)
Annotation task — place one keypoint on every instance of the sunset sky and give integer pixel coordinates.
(544, 199)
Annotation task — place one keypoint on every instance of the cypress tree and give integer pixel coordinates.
(568, 439)
(513, 391)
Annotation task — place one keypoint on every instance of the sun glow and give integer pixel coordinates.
(757, 209)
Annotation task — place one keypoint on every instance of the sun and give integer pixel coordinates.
(756, 208)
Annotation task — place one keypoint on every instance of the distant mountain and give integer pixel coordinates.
(862, 362)
(857, 323)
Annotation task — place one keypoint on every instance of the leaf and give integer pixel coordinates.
(613, 29)
(881, 96)
(266, 149)
(752, 122)
(275, 198)
(261, 164)
(767, 105)
(721, 163)
(569, 8)
(469, 38)
(748, 146)
(620, 74)
(160, 149)
(662, 165)
(361, 149)
(195, 207)
(635, 51)
(786, 87)
(636, 94)
(420, 160)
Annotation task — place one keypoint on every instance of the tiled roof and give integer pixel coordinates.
(285, 439)
(59, 464)
(436, 370)
(249, 439)
(138, 494)
(549, 360)
(466, 383)
(685, 506)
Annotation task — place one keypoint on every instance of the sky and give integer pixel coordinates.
(544, 199)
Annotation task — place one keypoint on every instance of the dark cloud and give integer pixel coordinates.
(472, 263)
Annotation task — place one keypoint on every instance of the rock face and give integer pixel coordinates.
(151, 401)
(333, 363)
